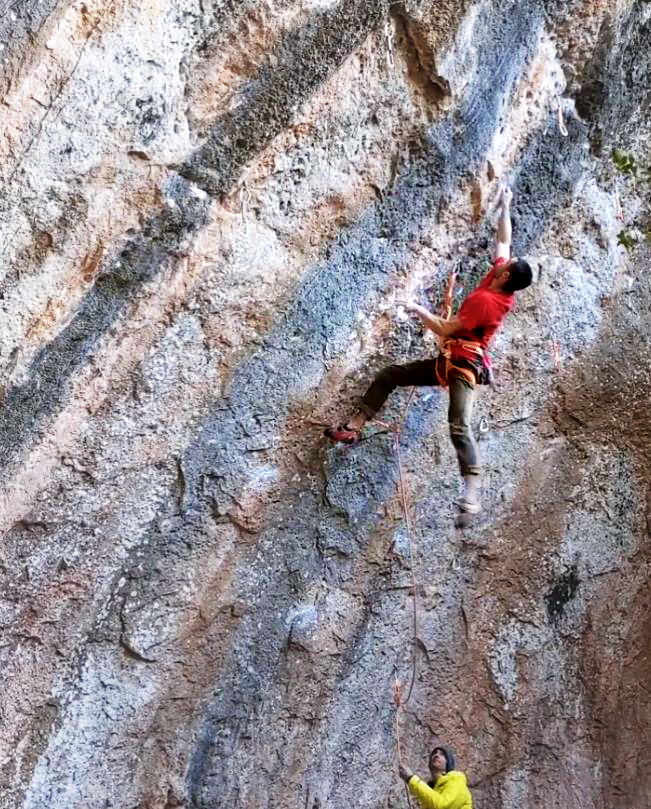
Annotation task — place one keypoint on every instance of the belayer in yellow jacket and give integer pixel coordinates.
(446, 790)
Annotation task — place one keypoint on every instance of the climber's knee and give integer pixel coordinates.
(381, 388)
(388, 375)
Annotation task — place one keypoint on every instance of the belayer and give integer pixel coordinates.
(447, 788)
(462, 363)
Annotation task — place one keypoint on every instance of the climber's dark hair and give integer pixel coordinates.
(520, 276)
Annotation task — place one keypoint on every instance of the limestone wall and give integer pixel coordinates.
(208, 213)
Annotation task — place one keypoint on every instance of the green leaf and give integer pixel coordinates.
(626, 240)
(624, 162)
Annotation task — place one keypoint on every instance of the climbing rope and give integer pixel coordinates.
(412, 555)
(446, 308)
(446, 313)
(397, 685)
(397, 698)
(619, 213)
(555, 351)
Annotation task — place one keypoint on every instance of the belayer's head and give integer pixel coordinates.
(514, 275)
(441, 760)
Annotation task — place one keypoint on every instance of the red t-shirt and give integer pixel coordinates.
(482, 313)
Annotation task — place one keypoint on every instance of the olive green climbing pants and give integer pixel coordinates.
(462, 400)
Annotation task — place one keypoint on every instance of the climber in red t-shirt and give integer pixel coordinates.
(462, 363)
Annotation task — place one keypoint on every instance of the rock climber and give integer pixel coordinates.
(462, 363)
(447, 788)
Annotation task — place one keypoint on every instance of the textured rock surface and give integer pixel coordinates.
(208, 211)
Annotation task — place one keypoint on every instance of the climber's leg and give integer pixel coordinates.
(417, 373)
(462, 400)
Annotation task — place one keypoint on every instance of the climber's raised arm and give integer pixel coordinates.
(503, 235)
(438, 325)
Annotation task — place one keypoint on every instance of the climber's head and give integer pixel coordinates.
(513, 275)
(441, 760)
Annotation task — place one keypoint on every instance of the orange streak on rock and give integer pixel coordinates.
(218, 78)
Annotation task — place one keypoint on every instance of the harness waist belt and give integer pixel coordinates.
(467, 345)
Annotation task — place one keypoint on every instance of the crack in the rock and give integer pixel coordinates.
(420, 58)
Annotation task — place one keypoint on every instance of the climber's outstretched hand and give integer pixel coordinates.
(411, 306)
(440, 326)
(405, 773)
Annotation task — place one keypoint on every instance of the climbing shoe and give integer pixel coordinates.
(464, 520)
(469, 506)
(342, 435)
(469, 502)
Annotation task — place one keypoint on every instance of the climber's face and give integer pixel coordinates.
(502, 272)
(437, 763)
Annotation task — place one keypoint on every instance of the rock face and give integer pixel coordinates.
(208, 213)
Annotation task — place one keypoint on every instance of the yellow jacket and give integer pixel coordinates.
(449, 792)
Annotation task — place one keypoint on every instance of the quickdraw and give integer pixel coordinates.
(390, 35)
(561, 122)
(245, 201)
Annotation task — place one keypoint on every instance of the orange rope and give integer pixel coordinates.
(397, 687)
(446, 312)
(412, 560)
(446, 308)
(555, 351)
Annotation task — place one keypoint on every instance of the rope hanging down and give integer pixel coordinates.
(446, 312)
(397, 685)
(397, 698)
(412, 555)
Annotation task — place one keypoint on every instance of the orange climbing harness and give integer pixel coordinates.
(445, 363)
